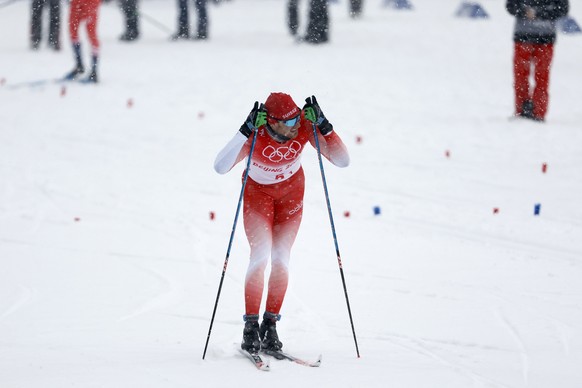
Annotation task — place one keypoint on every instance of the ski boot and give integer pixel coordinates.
(75, 73)
(55, 45)
(79, 68)
(91, 78)
(181, 34)
(129, 36)
(268, 332)
(528, 109)
(251, 342)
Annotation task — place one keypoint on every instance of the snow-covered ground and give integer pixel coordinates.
(110, 263)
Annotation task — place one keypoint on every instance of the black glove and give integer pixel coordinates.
(255, 119)
(314, 114)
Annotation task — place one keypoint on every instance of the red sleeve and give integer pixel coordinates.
(332, 147)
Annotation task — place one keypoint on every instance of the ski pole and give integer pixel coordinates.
(246, 174)
(339, 260)
(151, 20)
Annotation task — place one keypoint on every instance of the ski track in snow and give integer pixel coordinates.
(25, 296)
(420, 346)
(525, 359)
(546, 251)
(561, 328)
(167, 293)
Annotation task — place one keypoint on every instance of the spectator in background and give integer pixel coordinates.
(184, 24)
(293, 16)
(318, 25)
(84, 11)
(54, 24)
(534, 36)
(356, 8)
(131, 14)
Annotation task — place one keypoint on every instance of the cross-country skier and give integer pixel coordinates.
(273, 199)
(84, 11)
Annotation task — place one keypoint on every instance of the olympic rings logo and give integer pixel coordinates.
(282, 153)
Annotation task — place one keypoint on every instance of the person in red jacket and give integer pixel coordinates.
(273, 199)
(534, 35)
(84, 11)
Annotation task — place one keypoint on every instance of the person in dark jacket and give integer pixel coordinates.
(54, 25)
(131, 15)
(184, 24)
(534, 37)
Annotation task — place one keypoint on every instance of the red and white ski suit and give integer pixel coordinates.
(85, 10)
(273, 204)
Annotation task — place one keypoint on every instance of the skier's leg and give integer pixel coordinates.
(36, 23)
(288, 214)
(521, 71)
(55, 24)
(355, 8)
(202, 19)
(75, 15)
(318, 26)
(133, 18)
(183, 31)
(293, 16)
(131, 15)
(542, 59)
(91, 15)
(75, 20)
(258, 219)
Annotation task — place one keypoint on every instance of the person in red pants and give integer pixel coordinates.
(86, 11)
(273, 199)
(534, 37)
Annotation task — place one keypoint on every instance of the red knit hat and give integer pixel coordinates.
(281, 106)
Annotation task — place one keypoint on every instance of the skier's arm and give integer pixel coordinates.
(231, 154)
(330, 144)
(555, 10)
(238, 148)
(516, 8)
(333, 148)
